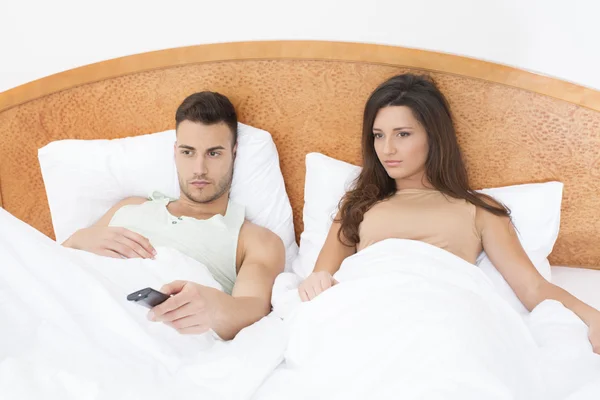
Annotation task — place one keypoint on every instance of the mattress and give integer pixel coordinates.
(580, 282)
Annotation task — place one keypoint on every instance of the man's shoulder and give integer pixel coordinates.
(127, 202)
(155, 196)
(256, 233)
(260, 245)
(130, 201)
(258, 239)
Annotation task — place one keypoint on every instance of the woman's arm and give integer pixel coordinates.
(328, 263)
(333, 252)
(502, 246)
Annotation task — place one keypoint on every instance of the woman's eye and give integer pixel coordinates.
(377, 135)
(403, 134)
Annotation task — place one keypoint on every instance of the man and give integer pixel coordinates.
(203, 223)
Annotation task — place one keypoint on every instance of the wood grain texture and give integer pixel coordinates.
(303, 50)
(508, 135)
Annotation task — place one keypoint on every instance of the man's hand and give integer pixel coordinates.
(195, 309)
(111, 242)
(189, 310)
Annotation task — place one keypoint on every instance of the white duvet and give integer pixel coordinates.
(407, 321)
(68, 332)
(411, 321)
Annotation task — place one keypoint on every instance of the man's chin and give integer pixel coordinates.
(207, 194)
(197, 195)
(203, 198)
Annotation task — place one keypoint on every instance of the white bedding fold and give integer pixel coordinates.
(408, 320)
(69, 333)
(411, 321)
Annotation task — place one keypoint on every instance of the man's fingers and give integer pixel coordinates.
(193, 330)
(122, 249)
(133, 245)
(185, 322)
(173, 287)
(109, 253)
(140, 240)
(184, 311)
(172, 303)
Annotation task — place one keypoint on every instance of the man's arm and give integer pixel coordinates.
(250, 300)
(113, 242)
(195, 308)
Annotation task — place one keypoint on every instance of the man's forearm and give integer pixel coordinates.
(232, 314)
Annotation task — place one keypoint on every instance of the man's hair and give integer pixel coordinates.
(208, 108)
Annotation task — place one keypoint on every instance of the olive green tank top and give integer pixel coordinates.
(213, 241)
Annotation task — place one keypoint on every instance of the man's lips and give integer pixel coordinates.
(200, 183)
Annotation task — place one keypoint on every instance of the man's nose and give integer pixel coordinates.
(200, 167)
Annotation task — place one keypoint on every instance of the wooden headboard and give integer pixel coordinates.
(514, 126)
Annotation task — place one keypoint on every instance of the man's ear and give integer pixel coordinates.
(234, 150)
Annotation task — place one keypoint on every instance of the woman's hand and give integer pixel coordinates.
(594, 335)
(315, 284)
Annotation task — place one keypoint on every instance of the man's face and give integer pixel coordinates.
(204, 157)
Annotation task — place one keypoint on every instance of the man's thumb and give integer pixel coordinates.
(173, 287)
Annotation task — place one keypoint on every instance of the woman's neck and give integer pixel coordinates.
(418, 181)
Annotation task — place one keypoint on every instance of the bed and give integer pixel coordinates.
(514, 127)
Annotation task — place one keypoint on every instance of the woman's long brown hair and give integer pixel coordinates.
(444, 167)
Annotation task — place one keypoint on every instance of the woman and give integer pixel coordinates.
(414, 185)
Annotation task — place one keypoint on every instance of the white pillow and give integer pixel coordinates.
(84, 178)
(535, 210)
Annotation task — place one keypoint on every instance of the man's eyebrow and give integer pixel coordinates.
(185, 146)
(215, 148)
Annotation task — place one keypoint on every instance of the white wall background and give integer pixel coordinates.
(559, 38)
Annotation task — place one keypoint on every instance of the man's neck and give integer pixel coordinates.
(184, 207)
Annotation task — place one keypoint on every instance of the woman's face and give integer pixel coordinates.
(401, 145)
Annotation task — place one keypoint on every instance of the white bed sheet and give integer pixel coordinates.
(67, 331)
(47, 314)
(583, 283)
